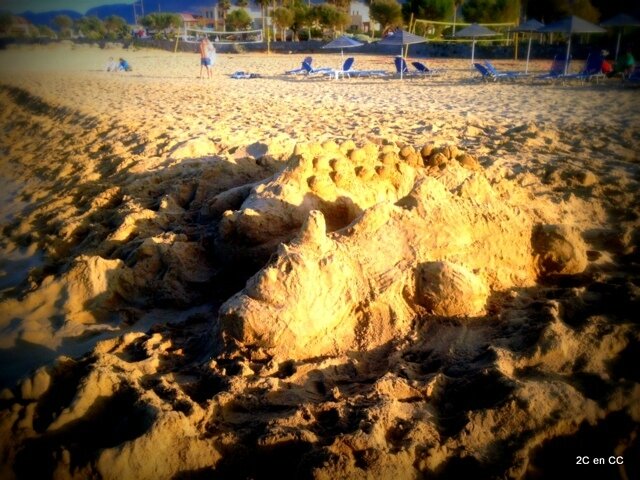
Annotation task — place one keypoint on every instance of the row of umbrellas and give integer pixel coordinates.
(399, 38)
(568, 25)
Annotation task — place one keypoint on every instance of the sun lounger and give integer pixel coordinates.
(508, 75)
(401, 67)
(368, 73)
(423, 69)
(592, 70)
(556, 71)
(300, 70)
(485, 74)
(314, 71)
(345, 71)
(634, 77)
(349, 71)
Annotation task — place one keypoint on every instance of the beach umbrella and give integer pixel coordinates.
(474, 31)
(529, 26)
(621, 21)
(342, 43)
(571, 25)
(401, 38)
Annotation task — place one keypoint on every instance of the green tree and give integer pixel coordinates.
(116, 27)
(6, 22)
(91, 27)
(223, 7)
(329, 17)
(242, 3)
(582, 8)
(428, 9)
(551, 10)
(301, 18)
(161, 22)
(387, 13)
(64, 23)
(264, 10)
(238, 19)
(283, 18)
(45, 31)
(341, 4)
(491, 10)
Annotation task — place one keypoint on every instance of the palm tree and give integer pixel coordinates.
(224, 6)
(456, 5)
(263, 13)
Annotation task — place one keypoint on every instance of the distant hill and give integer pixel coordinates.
(46, 18)
(123, 10)
(150, 6)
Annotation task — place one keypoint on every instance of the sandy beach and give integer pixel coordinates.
(294, 277)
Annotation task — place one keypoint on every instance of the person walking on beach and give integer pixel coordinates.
(205, 56)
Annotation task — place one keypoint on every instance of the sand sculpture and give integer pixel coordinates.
(376, 237)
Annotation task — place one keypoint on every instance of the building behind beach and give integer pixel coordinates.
(213, 17)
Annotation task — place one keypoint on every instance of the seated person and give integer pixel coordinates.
(625, 64)
(124, 65)
(112, 65)
(607, 66)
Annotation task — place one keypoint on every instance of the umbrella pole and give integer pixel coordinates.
(526, 69)
(473, 49)
(566, 63)
(618, 44)
(401, 63)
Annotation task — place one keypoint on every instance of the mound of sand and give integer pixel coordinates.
(366, 283)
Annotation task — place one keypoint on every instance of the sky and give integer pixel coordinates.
(38, 6)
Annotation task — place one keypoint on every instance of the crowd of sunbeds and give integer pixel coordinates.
(596, 67)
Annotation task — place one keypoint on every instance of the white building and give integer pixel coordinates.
(358, 10)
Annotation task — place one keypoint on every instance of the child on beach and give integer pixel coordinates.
(112, 65)
(124, 65)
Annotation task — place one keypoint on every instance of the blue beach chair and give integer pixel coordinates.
(401, 67)
(633, 78)
(424, 70)
(485, 74)
(557, 69)
(345, 71)
(592, 69)
(300, 70)
(508, 75)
